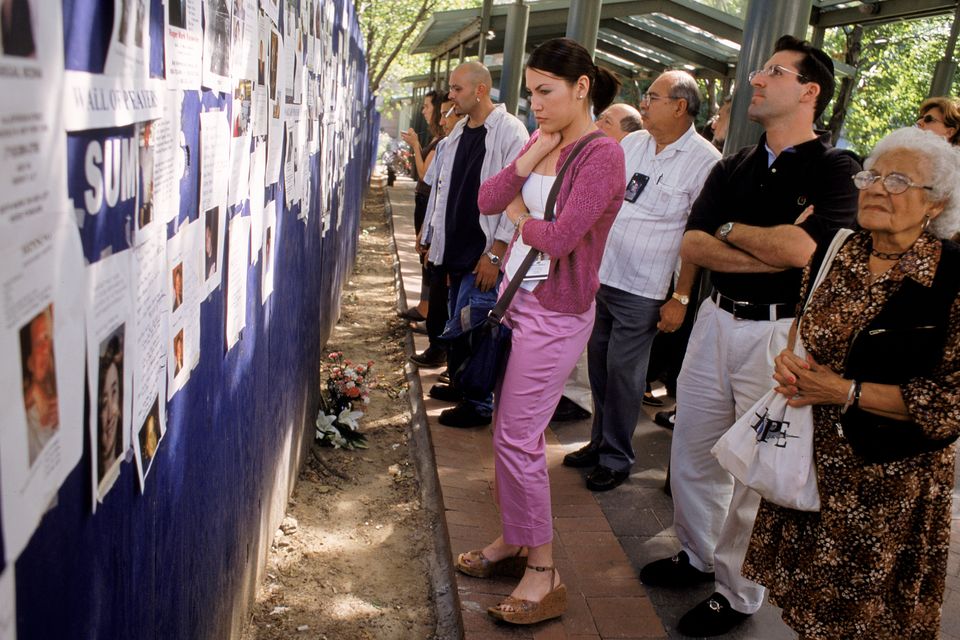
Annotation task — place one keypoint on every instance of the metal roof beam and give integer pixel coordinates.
(676, 50)
(629, 56)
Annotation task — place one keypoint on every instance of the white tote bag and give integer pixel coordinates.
(770, 447)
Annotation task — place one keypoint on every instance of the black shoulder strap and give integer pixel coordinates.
(496, 314)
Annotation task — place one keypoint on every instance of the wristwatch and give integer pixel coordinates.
(494, 258)
(682, 299)
(725, 230)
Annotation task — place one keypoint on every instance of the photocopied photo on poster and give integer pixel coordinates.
(213, 224)
(184, 291)
(239, 178)
(110, 333)
(41, 371)
(217, 44)
(269, 250)
(8, 604)
(275, 121)
(261, 87)
(183, 43)
(290, 157)
(148, 347)
(128, 54)
(32, 174)
(246, 18)
(237, 266)
(272, 10)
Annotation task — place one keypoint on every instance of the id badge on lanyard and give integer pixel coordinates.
(540, 269)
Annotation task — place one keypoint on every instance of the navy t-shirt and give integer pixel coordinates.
(465, 240)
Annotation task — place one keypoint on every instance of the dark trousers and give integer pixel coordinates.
(666, 355)
(437, 311)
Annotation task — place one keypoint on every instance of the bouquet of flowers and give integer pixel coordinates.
(347, 390)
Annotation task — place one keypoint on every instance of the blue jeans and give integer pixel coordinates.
(617, 354)
(468, 308)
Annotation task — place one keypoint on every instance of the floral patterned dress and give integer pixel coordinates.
(872, 562)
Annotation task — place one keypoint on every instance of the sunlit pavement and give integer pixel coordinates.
(601, 540)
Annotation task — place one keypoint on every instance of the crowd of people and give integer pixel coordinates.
(647, 207)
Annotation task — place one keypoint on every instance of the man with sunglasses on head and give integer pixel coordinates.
(763, 213)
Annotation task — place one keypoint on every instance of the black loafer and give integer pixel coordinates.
(588, 456)
(444, 378)
(675, 571)
(463, 416)
(605, 479)
(651, 400)
(712, 617)
(665, 419)
(569, 411)
(445, 393)
(431, 357)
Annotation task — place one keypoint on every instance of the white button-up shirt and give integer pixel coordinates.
(644, 242)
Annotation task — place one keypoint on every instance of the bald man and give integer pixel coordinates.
(469, 247)
(619, 120)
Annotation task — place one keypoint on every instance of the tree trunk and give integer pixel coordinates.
(851, 56)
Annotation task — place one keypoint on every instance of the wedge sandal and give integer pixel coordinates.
(474, 563)
(517, 611)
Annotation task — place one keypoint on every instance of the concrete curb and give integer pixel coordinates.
(442, 580)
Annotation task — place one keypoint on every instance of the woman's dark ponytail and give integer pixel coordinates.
(603, 90)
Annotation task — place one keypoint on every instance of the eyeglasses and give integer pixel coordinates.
(651, 97)
(894, 183)
(928, 119)
(775, 71)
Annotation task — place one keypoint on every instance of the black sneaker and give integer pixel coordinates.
(604, 479)
(666, 419)
(588, 456)
(675, 571)
(712, 617)
(569, 411)
(445, 393)
(464, 415)
(431, 357)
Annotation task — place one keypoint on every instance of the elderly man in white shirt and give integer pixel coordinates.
(666, 166)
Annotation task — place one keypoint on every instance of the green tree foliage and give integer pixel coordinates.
(389, 27)
(893, 77)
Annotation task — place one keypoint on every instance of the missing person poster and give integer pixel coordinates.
(110, 334)
(183, 43)
(41, 371)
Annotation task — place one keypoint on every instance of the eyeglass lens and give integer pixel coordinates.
(894, 183)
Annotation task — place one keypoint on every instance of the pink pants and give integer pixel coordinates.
(546, 346)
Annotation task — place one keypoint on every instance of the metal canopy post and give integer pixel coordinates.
(764, 24)
(514, 44)
(584, 23)
(484, 28)
(946, 69)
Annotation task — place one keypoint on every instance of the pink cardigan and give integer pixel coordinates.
(589, 199)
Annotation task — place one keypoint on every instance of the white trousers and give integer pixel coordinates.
(727, 367)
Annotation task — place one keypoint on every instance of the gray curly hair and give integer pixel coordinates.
(944, 162)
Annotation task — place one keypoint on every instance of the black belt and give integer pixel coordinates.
(753, 311)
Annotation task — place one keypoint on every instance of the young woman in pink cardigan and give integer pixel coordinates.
(551, 318)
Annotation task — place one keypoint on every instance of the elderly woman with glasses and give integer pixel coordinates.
(883, 334)
(942, 117)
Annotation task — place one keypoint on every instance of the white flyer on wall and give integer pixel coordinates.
(257, 168)
(214, 176)
(184, 293)
(33, 162)
(41, 371)
(217, 45)
(237, 265)
(269, 250)
(110, 335)
(128, 54)
(183, 44)
(148, 347)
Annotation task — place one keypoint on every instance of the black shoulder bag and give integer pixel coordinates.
(489, 343)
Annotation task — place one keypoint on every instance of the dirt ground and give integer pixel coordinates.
(349, 561)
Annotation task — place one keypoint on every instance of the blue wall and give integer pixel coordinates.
(180, 560)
